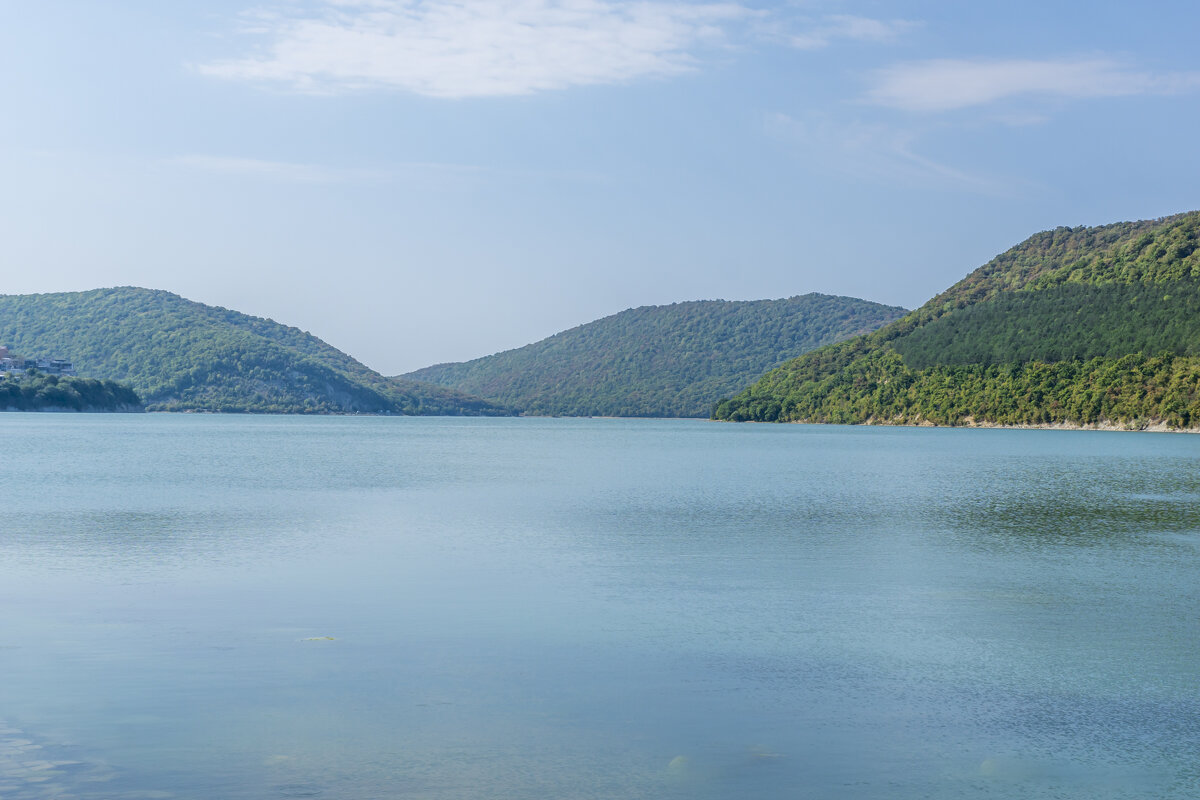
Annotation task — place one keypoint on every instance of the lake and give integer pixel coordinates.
(364, 607)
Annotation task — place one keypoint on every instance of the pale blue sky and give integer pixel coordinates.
(428, 181)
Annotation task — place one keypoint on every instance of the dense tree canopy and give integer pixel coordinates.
(1069, 321)
(1075, 325)
(660, 361)
(36, 392)
(181, 355)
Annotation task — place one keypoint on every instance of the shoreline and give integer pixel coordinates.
(1154, 426)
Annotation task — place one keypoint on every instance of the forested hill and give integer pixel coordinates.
(659, 361)
(1086, 326)
(180, 355)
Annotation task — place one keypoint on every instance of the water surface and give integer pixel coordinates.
(261, 607)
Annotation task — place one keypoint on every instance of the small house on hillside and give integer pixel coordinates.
(11, 363)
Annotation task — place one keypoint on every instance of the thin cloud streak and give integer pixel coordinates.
(440, 48)
(846, 27)
(875, 152)
(951, 84)
(291, 172)
(275, 170)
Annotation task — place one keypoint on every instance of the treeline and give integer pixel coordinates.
(660, 361)
(1133, 390)
(1149, 251)
(37, 392)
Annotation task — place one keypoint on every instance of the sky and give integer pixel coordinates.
(420, 181)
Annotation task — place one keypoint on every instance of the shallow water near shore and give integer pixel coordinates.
(259, 607)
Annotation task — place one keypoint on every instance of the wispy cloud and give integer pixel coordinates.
(291, 172)
(874, 151)
(846, 27)
(276, 170)
(949, 84)
(452, 48)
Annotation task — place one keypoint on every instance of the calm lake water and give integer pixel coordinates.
(268, 607)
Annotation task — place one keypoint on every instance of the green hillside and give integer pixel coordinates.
(659, 361)
(65, 393)
(180, 356)
(1076, 325)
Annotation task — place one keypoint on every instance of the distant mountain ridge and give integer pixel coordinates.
(1084, 326)
(659, 361)
(180, 355)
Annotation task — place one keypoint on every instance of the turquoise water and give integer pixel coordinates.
(594, 609)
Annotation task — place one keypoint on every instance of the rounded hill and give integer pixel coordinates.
(659, 361)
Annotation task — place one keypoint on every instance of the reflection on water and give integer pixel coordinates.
(250, 607)
(38, 770)
(1041, 501)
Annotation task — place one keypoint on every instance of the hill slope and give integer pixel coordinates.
(659, 361)
(1083, 326)
(180, 355)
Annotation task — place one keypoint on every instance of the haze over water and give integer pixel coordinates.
(257, 607)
